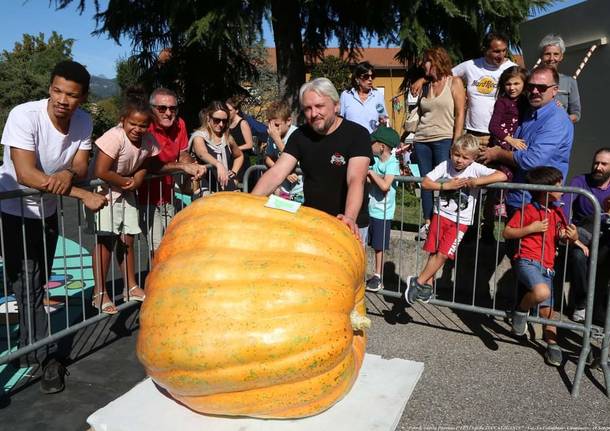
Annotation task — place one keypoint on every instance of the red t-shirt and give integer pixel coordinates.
(531, 245)
(171, 142)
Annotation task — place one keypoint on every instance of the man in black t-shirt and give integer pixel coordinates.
(334, 155)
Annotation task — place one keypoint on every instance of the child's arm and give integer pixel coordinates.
(103, 171)
(452, 184)
(520, 232)
(383, 182)
(496, 177)
(136, 180)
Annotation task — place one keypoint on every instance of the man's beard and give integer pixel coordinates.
(328, 123)
(600, 177)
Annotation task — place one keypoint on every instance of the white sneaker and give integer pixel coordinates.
(579, 315)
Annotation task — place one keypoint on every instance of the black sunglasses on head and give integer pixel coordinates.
(163, 108)
(540, 87)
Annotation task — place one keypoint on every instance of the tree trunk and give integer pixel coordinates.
(286, 22)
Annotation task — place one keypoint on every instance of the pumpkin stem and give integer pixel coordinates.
(359, 321)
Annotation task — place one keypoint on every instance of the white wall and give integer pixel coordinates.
(580, 24)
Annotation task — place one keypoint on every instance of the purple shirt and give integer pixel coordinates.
(582, 208)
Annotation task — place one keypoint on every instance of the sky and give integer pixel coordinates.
(98, 53)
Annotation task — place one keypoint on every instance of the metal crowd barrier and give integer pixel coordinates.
(71, 216)
(71, 279)
(471, 268)
(474, 263)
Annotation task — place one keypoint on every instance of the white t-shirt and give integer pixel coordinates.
(447, 205)
(29, 127)
(481, 79)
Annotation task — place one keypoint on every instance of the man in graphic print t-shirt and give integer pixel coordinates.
(334, 155)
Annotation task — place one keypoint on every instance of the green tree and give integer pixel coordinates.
(209, 40)
(25, 71)
(335, 69)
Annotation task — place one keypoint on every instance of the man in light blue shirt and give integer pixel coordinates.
(363, 104)
(546, 130)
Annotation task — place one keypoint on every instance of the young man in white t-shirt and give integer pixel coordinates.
(456, 180)
(46, 147)
(481, 77)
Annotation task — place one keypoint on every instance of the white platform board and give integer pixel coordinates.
(375, 403)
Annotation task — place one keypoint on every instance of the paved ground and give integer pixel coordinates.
(476, 374)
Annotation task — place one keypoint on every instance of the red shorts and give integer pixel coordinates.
(446, 232)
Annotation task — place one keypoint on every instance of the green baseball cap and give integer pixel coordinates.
(386, 135)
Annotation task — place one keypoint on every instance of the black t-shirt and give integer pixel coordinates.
(323, 160)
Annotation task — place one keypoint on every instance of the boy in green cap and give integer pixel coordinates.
(382, 197)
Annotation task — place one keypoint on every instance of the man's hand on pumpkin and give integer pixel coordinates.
(350, 223)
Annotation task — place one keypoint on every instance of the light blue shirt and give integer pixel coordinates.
(382, 205)
(548, 134)
(365, 113)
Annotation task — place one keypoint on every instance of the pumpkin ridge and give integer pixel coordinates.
(241, 247)
(297, 399)
(253, 378)
(249, 257)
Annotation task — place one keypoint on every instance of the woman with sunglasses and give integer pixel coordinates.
(363, 103)
(213, 144)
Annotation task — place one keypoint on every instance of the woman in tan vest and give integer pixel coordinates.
(441, 120)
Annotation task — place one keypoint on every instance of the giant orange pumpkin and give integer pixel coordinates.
(247, 309)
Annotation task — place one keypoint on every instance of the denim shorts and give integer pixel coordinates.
(531, 272)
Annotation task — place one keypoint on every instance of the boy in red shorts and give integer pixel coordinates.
(456, 180)
(539, 226)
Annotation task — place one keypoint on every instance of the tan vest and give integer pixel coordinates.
(436, 116)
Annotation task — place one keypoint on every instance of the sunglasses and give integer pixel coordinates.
(163, 108)
(542, 88)
(219, 120)
(366, 76)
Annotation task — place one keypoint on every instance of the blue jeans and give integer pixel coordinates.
(430, 154)
(530, 273)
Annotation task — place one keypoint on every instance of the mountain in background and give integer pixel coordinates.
(103, 88)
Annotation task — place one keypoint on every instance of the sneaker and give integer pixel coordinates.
(519, 322)
(53, 377)
(424, 293)
(553, 355)
(417, 292)
(411, 290)
(579, 315)
(374, 284)
(422, 235)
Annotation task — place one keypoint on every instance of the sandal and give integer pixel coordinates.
(107, 307)
(128, 296)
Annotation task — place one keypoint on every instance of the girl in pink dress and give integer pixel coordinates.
(120, 157)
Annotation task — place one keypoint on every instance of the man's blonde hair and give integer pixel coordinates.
(467, 143)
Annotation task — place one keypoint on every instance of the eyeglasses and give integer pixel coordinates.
(542, 88)
(163, 108)
(367, 76)
(219, 120)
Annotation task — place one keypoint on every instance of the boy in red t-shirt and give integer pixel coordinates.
(539, 226)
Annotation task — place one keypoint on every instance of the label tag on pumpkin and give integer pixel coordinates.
(279, 203)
